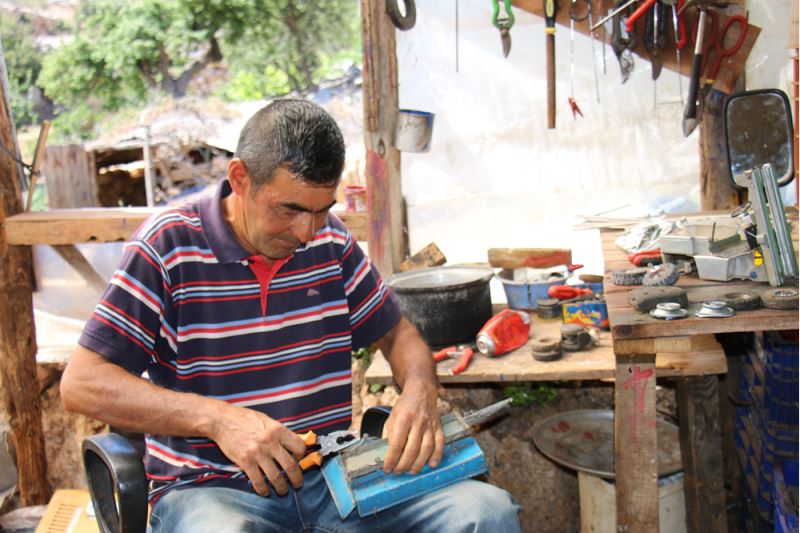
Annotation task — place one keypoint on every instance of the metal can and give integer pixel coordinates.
(505, 331)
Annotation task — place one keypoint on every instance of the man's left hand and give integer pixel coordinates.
(414, 430)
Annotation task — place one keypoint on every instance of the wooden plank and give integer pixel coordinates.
(77, 261)
(74, 226)
(730, 71)
(70, 174)
(701, 452)
(512, 258)
(706, 357)
(387, 244)
(717, 190)
(430, 256)
(18, 382)
(635, 450)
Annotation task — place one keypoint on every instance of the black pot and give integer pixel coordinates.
(448, 305)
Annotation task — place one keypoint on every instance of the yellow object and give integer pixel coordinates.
(67, 513)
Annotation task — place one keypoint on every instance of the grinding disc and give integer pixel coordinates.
(666, 274)
(547, 356)
(546, 344)
(645, 299)
(780, 298)
(627, 277)
(741, 300)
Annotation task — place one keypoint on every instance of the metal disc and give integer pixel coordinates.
(584, 440)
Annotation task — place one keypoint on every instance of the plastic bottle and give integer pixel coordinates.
(505, 331)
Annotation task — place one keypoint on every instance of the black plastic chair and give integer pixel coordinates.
(117, 483)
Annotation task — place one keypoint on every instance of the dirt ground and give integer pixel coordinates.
(547, 492)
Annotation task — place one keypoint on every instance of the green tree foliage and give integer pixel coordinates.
(121, 51)
(22, 64)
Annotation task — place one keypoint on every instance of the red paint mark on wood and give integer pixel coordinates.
(639, 383)
(561, 427)
(588, 435)
(377, 195)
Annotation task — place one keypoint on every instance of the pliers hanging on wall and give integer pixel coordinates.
(623, 42)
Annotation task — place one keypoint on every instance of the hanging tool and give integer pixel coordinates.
(623, 42)
(463, 352)
(716, 44)
(550, 39)
(655, 37)
(690, 111)
(619, 7)
(577, 15)
(679, 25)
(503, 24)
(636, 15)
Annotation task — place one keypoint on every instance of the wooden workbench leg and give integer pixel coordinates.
(635, 452)
(701, 451)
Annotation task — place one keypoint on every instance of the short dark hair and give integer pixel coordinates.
(296, 134)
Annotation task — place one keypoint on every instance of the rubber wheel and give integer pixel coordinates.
(742, 300)
(547, 356)
(400, 21)
(628, 277)
(546, 344)
(666, 274)
(780, 298)
(646, 299)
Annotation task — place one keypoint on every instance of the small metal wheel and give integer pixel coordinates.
(780, 298)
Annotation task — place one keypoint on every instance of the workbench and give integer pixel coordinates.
(637, 350)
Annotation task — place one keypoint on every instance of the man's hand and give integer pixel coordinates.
(414, 431)
(261, 446)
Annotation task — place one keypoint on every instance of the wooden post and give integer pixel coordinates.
(17, 335)
(636, 471)
(701, 453)
(716, 186)
(384, 195)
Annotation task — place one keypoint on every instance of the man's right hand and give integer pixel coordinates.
(261, 447)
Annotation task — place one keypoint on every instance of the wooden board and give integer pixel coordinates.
(597, 363)
(627, 323)
(635, 449)
(70, 174)
(512, 258)
(73, 226)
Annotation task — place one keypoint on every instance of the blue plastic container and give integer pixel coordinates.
(785, 504)
(523, 295)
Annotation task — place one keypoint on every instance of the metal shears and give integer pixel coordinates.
(463, 352)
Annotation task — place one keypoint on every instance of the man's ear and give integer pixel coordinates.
(238, 176)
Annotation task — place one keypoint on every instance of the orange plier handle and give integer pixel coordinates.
(313, 458)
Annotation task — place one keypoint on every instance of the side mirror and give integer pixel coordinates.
(758, 130)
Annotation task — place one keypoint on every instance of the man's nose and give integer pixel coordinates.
(303, 227)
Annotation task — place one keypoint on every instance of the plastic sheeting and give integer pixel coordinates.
(496, 176)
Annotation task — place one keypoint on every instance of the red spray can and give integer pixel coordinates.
(505, 331)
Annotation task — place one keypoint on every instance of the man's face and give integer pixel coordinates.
(282, 214)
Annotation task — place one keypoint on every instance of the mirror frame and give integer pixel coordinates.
(785, 99)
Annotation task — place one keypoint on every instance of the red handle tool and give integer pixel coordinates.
(641, 10)
(565, 292)
(463, 352)
(648, 257)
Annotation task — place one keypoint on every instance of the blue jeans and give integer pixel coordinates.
(465, 506)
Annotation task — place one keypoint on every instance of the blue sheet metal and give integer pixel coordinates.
(377, 491)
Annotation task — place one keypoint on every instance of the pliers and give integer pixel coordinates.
(464, 352)
(320, 446)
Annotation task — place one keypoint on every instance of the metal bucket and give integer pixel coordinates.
(448, 304)
(413, 130)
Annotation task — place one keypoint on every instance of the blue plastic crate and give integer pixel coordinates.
(784, 496)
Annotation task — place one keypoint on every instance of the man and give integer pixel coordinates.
(243, 309)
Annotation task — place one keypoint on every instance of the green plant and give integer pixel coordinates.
(364, 355)
(524, 395)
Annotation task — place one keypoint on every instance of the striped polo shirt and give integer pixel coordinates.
(191, 307)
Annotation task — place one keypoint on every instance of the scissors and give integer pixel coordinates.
(718, 41)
